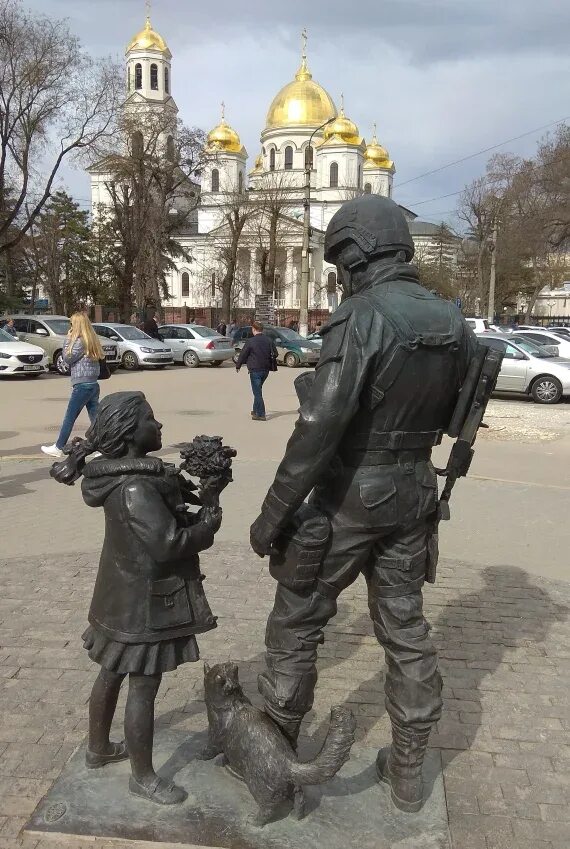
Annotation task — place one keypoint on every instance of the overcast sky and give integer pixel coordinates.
(442, 78)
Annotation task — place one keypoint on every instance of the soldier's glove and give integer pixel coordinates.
(261, 536)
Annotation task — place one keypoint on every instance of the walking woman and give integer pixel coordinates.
(83, 352)
(148, 603)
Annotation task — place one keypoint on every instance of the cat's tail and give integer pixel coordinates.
(334, 753)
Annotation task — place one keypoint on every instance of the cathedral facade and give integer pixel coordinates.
(302, 115)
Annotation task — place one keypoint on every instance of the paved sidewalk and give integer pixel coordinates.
(504, 640)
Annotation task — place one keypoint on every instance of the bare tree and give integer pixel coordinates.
(152, 197)
(54, 102)
(274, 198)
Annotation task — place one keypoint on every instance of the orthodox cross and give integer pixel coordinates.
(304, 39)
(223, 111)
(148, 5)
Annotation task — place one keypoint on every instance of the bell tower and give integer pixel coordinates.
(149, 71)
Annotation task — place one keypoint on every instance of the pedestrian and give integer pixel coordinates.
(260, 355)
(221, 328)
(83, 352)
(10, 328)
(232, 328)
(150, 326)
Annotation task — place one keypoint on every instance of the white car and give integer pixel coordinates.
(136, 349)
(548, 337)
(20, 358)
(529, 369)
(194, 344)
(481, 325)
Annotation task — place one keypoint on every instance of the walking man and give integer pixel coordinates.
(393, 361)
(260, 355)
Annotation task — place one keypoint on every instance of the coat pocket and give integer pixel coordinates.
(169, 604)
(381, 501)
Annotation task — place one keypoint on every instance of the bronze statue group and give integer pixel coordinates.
(356, 492)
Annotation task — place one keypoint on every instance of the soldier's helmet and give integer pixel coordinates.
(375, 225)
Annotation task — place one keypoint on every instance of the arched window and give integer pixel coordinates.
(213, 285)
(240, 182)
(170, 150)
(333, 181)
(272, 159)
(138, 75)
(137, 142)
(154, 77)
(288, 158)
(185, 285)
(331, 283)
(367, 188)
(167, 80)
(309, 158)
(389, 190)
(359, 180)
(215, 180)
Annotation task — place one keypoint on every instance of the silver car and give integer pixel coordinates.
(136, 349)
(193, 344)
(529, 369)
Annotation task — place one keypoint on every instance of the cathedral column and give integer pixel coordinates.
(289, 282)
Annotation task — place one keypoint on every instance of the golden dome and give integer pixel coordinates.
(344, 129)
(224, 138)
(258, 167)
(376, 156)
(302, 102)
(148, 39)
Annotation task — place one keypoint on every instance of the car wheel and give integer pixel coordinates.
(291, 360)
(191, 359)
(130, 361)
(546, 390)
(216, 363)
(235, 357)
(60, 365)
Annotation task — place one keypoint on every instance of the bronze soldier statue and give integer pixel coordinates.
(394, 357)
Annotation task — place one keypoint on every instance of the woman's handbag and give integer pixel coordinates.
(104, 370)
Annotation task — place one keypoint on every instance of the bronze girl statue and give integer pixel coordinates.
(148, 603)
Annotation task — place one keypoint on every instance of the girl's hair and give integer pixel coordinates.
(81, 328)
(117, 420)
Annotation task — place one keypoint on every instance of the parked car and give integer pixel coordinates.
(560, 331)
(194, 344)
(292, 348)
(316, 338)
(527, 368)
(481, 325)
(136, 348)
(18, 357)
(548, 337)
(49, 332)
(546, 347)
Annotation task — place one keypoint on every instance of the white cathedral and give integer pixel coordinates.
(343, 165)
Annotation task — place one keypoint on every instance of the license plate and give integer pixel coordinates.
(32, 368)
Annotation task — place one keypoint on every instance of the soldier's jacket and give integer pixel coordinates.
(393, 360)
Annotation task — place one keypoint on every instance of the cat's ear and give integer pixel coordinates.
(206, 669)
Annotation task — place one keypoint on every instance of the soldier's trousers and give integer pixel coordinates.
(387, 543)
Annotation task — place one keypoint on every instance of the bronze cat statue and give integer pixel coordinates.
(256, 750)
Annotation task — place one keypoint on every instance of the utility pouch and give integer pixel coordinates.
(298, 552)
(432, 548)
(169, 603)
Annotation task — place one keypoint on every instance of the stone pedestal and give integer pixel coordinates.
(351, 810)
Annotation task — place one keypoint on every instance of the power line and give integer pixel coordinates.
(480, 152)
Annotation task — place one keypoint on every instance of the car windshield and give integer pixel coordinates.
(531, 348)
(58, 325)
(206, 332)
(131, 334)
(292, 335)
(7, 337)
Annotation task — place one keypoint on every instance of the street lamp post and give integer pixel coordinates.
(304, 301)
(492, 277)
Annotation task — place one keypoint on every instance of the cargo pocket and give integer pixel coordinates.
(427, 492)
(169, 604)
(379, 497)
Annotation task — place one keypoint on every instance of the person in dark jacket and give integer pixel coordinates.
(150, 327)
(260, 355)
(148, 603)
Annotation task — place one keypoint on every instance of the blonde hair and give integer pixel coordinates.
(81, 328)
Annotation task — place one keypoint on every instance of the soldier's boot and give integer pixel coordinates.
(284, 704)
(400, 766)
